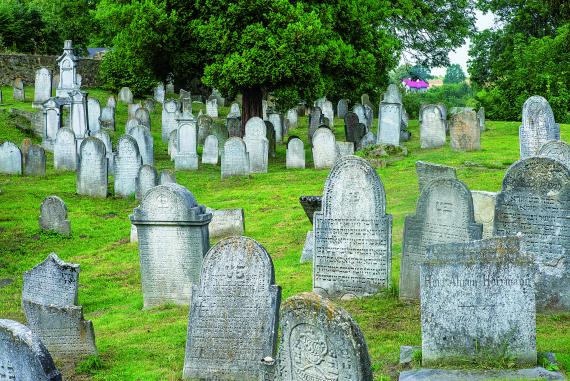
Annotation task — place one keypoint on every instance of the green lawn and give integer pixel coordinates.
(149, 345)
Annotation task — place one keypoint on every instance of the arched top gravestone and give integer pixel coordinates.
(557, 150)
(538, 126)
(10, 159)
(432, 129)
(235, 159)
(145, 143)
(92, 171)
(295, 157)
(53, 215)
(65, 150)
(147, 178)
(255, 127)
(325, 151)
(127, 163)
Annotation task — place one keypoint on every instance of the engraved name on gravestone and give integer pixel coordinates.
(295, 156)
(42, 87)
(173, 238)
(464, 132)
(342, 108)
(484, 210)
(353, 233)
(106, 139)
(389, 119)
(270, 131)
(325, 150)
(127, 163)
(92, 170)
(146, 179)
(125, 95)
(210, 152)
(53, 216)
(234, 313)
(535, 201)
(557, 150)
(145, 142)
(10, 159)
(35, 161)
(257, 145)
(444, 214)
(64, 150)
(235, 159)
(538, 126)
(314, 122)
(478, 303)
(93, 115)
(170, 112)
(320, 341)
(429, 171)
(432, 129)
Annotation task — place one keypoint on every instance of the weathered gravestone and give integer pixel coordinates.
(257, 145)
(25, 148)
(145, 142)
(159, 92)
(314, 122)
(173, 144)
(19, 92)
(210, 153)
(170, 113)
(212, 107)
(444, 214)
(78, 118)
(23, 357)
(428, 172)
(53, 216)
(484, 210)
(345, 148)
(535, 201)
(187, 148)
(358, 109)
(143, 115)
(328, 112)
(52, 112)
(186, 101)
(538, 126)
(42, 87)
(112, 101)
(104, 137)
(325, 150)
(132, 109)
(173, 238)
(167, 176)
(35, 161)
(270, 130)
(149, 105)
(557, 150)
(354, 131)
(308, 247)
(464, 132)
(233, 314)
(126, 96)
(481, 118)
(277, 121)
(147, 178)
(369, 116)
(292, 117)
(432, 129)
(107, 118)
(64, 150)
(127, 163)
(342, 108)
(92, 170)
(226, 223)
(204, 128)
(132, 123)
(93, 115)
(233, 125)
(320, 341)
(49, 299)
(10, 159)
(235, 159)
(353, 233)
(295, 157)
(234, 109)
(389, 121)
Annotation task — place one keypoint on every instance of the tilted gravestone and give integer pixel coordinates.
(10, 159)
(126, 96)
(145, 142)
(35, 161)
(23, 356)
(210, 153)
(167, 176)
(257, 145)
(342, 108)
(93, 115)
(353, 233)
(147, 178)
(295, 156)
(235, 159)
(432, 128)
(314, 122)
(92, 169)
(226, 223)
(535, 201)
(233, 125)
(170, 112)
(106, 139)
(428, 172)
(233, 314)
(292, 117)
(557, 150)
(270, 130)
(464, 132)
(19, 92)
(108, 118)
(173, 238)
(484, 210)
(444, 214)
(187, 148)
(358, 109)
(325, 150)
(127, 163)
(478, 303)
(320, 341)
(538, 126)
(42, 87)
(143, 115)
(64, 150)
(53, 216)
(212, 107)
(49, 298)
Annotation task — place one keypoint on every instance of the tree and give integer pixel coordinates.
(420, 72)
(454, 74)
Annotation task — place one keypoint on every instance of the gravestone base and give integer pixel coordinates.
(186, 161)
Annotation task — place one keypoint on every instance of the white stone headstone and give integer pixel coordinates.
(42, 86)
(325, 150)
(127, 163)
(295, 156)
(257, 145)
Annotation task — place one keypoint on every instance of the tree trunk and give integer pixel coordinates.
(252, 99)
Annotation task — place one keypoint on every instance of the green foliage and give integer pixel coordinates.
(454, 74)
(453, 95)
(420, 72)
(89, 365)
(409, 71)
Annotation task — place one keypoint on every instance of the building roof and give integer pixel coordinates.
(417, 84)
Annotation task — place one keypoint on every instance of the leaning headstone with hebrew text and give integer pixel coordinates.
(10, 159)
(538, 126)
(53, 216)
(557, 150)
(430, 171)
(92, 172)
(127, 163)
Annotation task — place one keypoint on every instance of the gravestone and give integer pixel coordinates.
(389, 120)
(35, 161)
(173, 238)
(104, 137)
(186, 101)
(170, 113)
(19, 91)
(432, 127)
(345, 148)
(147, 178)
(354, 131)
(210, 153)
(325, 150)
(235, 159)
(295, 157)
(112, 102)
(257, 145)
(212, 107)
(358, 109)
(478, 303)
(264, 109)
(464, 132)
(292, 117)
(132, 109)
(365, 100)
(308, 247)
(233, 125)
(187, 149)
(234, 110)
(173, 144)
(342, 108)
(143, 115)
(149, 104)
(126, 96)
(127, 164)
(92, 169)
(444, 214)
(42, 87)
(145, 142)
(538, 126)
(78, 118)
(204, 128)
(277, 121)
(52, 111)
(159, 92)
(25, 148)
(69, 79)
(369, 116)
(234, 313)
(10, 159)
(535, 201)
(107, 118)
(353, 233)
(53, 216)
(320, 341)
(557, 150)
(328, 112)
(484, 210)
(481, 118)
(23, 355)
(314, 122)
(428, 172)
(167, 176)
(132, 123)
(226, 223)
(93, 115)
(64, 150)
(270, 130)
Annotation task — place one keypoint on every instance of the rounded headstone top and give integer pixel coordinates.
(127, 145)
(235, 141)
(536, 109)
(436, 187)
(556, 149)
(255, 127)
(92, 145)
(538, 175)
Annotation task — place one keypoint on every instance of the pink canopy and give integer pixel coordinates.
(418, 84)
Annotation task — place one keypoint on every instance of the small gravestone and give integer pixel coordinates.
(93, 115)
(257, 145)
(481, 118)
(354, 131)
(233, 125)
(212, 107)
(112, 101)
(23, 356)
(149, 105)
(389, 121)
(233, 314)
(53, 216)
(159, 92)
(325, 150)
(173, 144)
(144, 140)
(19, 92)
(173, 238)
(226, 223)
(292, 117)
(78, 118)
(353, 233)
(444, 214)
(320, 341)
(328, 112)
(106, 139)
(92, 169)
(170, 87)
(271, 137)
(432, 129)
(64, 150)
(127, 164)
(132, 109)
(342, 108)
(557, 150)
(147, 178)
(210, 152)
(107, 118)
(42, 87)
(167, 176)
(345, 148)
(314, 122)
(277, 121)
(186, 101)
(143, 115)
(204, 128)
(35, 161)
(170, 113)
(187, 149)
(428, 172)
(295, 157)
(10, 159)
(484, 210)
(367, 140)
(464, 132)
(126, 96)
(535, 201)
(235, 160)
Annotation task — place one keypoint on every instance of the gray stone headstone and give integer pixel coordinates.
(358, 109)
(428, 172)
(484, 209)
(126, 96)
(106, 139)
(145, 142)
(204, 128)
(557, 150)
(159, 92)
(167, 176)
(92, 169)
(432, 128)
(389, 120)
(234, 109)
(235, 160)
(478, 303)
(169, 87)
(367, 140)
(132, 123)
(234, 313)
(277, 121)
(314, 122)
(270, 130)
(293, 117)
(23, 356)
(147, 178)
(112, 101)
(35, 161)
(257, 145)
(108, 118)
(535, 201)
(173, 238)
(328, 112)
(342, 108)
(127, 164)
(538, 126)
(325, 150)
(295, 156)
(345, 148)
(132, 109)
(481, 118)
(173, 144)
(143, 115)
(320, 341)
(464, 132)
(170, 112)
(64, 150)
(212, 107)
(19, 92)
(78, 119)
(354, 131)
(308, 247)
(187, 149)
(42, 86)
(226, 223)
(444, 214)
(53, 216)
(369, 113)
(210, 153)
(353, 233)
(233, 125)
(10, 159)
(93, 115)
(52, 111)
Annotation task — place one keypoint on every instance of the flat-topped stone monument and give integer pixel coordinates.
(92, 177)
(125, 95)
(53, 216)
(210, 153)
(35, 161)
(538, 126)
(10, 159)
(295, 156)
(325, 150)
(127, 163)
(42, 87)
(235, 159)
(145, 142)
(484, 210)
(464, 131)
(146, 179)
(432, 127)
(64, 150)
(557, 150)
(430, 171)
(257, 145)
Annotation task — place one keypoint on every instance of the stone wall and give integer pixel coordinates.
(25, 66)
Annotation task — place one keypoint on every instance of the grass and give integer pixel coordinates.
(149, 345)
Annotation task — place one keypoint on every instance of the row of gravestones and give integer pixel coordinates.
(465, 127)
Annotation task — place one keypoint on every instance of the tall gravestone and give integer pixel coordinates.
(187, 149)
(173, 144)
(481, 118)
(106, 139)
(42, 87)
(212, 107)
(432, 128)
(10, 159)
(295, 156)
(538, 126)
(127, 163)
(389, 120)
(444, 214)
(64, 150)
(277, 121)
(78, 118)
(257, 145)
(147, 178)
(170, 112)
(125, 96)
(173, 239)
(328, 112)
(145, 142)
(93, 115)
(92, 177)
(204, 128)
(53, 216)
(557, 150)
(271, 137)
(112, 101)
(210, 153)
(314, 122)
(234, 313)
(428, 172)
(52, 110)
(19, 93)
(342, 108)
(535, 201)
(358, 109)
(35, 161)
(107, 118)
(325, 150)
(68, 76)
(354, 131)
(353, 233)
(235, 159)
(464, 132)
